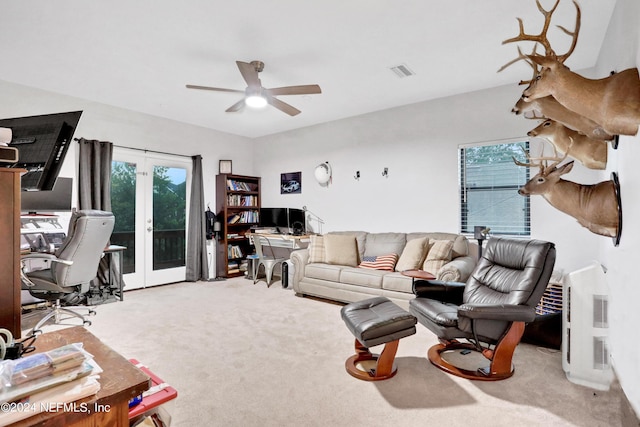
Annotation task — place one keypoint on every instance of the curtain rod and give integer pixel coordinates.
(145, 150)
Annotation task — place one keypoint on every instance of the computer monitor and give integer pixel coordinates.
(276, 218)
(56, 200)
(297, 221)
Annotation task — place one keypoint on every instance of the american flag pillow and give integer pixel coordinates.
(380, 262)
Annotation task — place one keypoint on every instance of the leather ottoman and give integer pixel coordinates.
(373, 322)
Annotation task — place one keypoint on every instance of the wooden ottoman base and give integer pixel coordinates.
(384, 366)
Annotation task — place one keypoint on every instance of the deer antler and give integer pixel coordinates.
(544, 167)
(530, 164)
(574, 34)
(523, 57)
(534, 116)
(540, 38)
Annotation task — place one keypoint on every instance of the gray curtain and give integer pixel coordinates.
(94, 183)
(94, 192)
(197, 264)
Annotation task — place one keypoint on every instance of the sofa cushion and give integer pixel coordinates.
(316, 249)
(384, 243)
(413, 254)
(365, 277)
(327, 272)
(397, 282)
(460, 242)
(361, 238)
(439, 254)
(380, 262)
(341, 249)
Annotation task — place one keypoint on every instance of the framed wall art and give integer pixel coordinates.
(225, 166)
(291, 183)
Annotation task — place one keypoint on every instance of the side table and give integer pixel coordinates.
(120, 382)
(417, 274)
(439, 290)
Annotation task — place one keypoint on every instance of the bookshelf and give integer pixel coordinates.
(238, 209)
(10, 298)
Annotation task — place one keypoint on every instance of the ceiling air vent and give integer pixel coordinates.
(402, 71)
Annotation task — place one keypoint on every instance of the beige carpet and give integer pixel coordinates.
(246, 355)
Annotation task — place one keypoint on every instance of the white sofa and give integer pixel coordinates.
(334, 280)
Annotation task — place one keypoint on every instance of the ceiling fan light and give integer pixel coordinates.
(256, 101)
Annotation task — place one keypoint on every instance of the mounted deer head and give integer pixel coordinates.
(612, 102)
(590, 152)
(549, 108)
(596, 207)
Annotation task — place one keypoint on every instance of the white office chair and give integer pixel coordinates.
(269, 262)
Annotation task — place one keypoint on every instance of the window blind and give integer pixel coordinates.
(489, 183)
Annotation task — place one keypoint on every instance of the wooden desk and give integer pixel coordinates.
(288, 241)
(120, 382)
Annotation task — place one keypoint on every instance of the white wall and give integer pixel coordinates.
(418, 143)
(131, 129)
(621, 50)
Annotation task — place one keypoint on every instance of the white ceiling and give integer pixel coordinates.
(139, 55)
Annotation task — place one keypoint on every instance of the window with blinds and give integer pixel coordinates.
(489, 182)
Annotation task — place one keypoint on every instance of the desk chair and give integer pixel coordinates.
(489, 312)
(72, 267)
(269, 262)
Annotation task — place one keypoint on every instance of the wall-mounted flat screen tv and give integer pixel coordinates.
(42, 143)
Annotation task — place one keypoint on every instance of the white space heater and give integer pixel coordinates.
(585, 325)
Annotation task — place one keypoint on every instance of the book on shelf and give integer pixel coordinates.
(234, 251)
(246, 217)
(235, 185)
(241, 200)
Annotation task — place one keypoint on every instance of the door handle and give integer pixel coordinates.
(149, 228)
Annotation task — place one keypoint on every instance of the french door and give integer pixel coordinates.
(149, 198)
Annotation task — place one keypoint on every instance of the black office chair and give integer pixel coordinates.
(489, 312)
(73, 266)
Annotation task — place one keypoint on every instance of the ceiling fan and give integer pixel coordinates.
(258, 96)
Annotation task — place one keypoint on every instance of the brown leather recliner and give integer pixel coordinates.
(490, 311)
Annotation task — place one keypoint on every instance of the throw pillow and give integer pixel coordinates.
(380, 262)
(413, 254)
(316, 249)
(439, 254)
(341, 249)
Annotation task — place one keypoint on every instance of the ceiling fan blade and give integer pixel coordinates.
(218, 89)
(295, 90)
(236, 107)
(249, 74)
(283, 106)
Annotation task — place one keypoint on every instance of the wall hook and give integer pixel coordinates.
(357, 176)
(385, 172)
